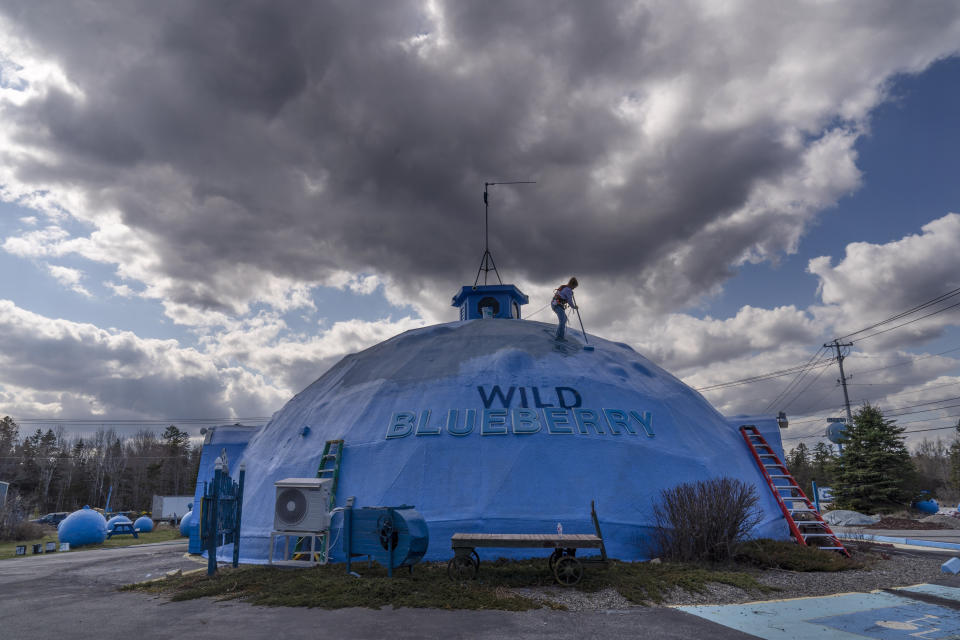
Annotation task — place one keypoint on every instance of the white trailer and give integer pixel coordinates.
(170, 508)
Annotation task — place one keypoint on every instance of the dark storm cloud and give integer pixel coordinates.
(300, 138)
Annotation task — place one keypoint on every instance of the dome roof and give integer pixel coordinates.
(494, 426)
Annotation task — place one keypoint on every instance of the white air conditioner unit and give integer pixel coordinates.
(302, 504)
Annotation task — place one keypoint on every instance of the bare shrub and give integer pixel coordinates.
(13, 522)
(705, 520)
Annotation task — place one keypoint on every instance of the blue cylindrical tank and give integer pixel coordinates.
(185, 524)
(115, 519)
(144, 524)
(926, 506)
(82, 527)
(837, 432)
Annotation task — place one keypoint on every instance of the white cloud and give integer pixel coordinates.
(50, 364)
(697, 138)
(69, 278)
(263, 344)
(875, 281)
(227, 177)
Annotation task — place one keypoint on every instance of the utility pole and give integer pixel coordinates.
(837, 345)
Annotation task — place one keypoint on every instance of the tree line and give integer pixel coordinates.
(49, 471)
(876, 472)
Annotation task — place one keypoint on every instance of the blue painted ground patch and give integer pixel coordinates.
(915, 620)
(878, 615)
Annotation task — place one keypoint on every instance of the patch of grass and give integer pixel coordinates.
(645, 582)
(160, 534)
(329, 587)
(9, 549)
(780, 554)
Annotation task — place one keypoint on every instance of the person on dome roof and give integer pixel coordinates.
(562, 297)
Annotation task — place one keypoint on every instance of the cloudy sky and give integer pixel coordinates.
(204, 205)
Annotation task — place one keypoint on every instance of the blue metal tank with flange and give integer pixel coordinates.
(393, 536)
(926, 506)
(144, 524)
(186, 522)
(83, 527)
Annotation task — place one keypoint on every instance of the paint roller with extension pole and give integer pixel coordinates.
(586, 345)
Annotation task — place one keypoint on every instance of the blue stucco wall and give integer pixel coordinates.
(234, 439)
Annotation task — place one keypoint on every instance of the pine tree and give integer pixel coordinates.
(954, 479)
(799, 457)
(874, 472)
(798, 461)
(9, 438)
(823, 463)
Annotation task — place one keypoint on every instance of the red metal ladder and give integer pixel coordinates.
(785, 489)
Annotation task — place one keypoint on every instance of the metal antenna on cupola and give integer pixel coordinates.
(486, 263)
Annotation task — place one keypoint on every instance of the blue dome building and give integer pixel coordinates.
(489, 424)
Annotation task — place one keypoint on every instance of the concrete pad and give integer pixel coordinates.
(880, 615)
(940, 591)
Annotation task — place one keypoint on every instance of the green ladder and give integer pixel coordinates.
(329, 469)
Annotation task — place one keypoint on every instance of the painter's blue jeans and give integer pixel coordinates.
(562, 316)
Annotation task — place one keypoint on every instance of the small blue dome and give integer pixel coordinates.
(144, 524)
(927, 506)
(82, 527)
(185, 522)
(115, 519)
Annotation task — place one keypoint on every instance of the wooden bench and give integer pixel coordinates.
(565, 566)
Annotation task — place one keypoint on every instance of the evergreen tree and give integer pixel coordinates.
(823, 463)
(932, 461)
(799, 457)
(9, 438)
(176, 464)
(954, 478)
(798, 461)
(874, 472)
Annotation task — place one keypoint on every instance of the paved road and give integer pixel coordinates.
(73, 596)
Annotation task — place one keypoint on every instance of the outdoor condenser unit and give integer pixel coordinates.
(302, 504)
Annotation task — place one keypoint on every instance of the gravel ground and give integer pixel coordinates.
(886, 568)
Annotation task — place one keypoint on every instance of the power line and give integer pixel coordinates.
(957, 304)
(795, 382)
(763, 376)
(94, 458)
(904, 314)
(923, 404)
(140, 422)
(950, 417)
(804, 390)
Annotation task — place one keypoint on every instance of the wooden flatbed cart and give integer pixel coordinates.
(565, 566)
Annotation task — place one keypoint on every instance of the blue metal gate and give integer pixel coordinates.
(220, 514)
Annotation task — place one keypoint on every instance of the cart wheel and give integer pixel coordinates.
(462, 568)
(556, 555)
(568, 570)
